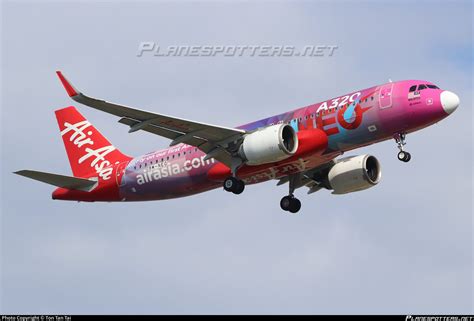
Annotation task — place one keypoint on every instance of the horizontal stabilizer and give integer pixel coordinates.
(68, 182)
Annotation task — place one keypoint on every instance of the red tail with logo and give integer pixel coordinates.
(90, 154)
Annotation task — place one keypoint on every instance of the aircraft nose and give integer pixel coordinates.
(449, 101)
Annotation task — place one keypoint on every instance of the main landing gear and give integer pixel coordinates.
(234, 185)
(403, 156)
(290, 203)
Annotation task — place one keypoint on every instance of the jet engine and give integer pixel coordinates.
(352, 174)
(269, 144)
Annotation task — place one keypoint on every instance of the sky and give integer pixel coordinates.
(402, 247)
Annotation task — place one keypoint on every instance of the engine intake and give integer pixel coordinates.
(355, 173)
(269, 144)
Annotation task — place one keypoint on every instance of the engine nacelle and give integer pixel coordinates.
(270, 144)
(356, 173)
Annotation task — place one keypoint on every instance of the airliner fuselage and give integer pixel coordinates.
(297, 147)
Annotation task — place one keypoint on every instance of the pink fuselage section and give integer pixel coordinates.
(350, 121)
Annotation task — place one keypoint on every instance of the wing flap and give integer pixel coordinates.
(171, 134)
(218, 153)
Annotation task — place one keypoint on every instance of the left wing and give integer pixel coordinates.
(216, 141)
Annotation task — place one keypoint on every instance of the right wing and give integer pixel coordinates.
(314, 179)
(216, 141)
(68, 182)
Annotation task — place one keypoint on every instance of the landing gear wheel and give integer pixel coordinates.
(290, 204)
(404, 156)
(234, 185)
(230, 183)
(295, 205)
(285, 203)
(239, 188)
(408, 157)
(401, 156)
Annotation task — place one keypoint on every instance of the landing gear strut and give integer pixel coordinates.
(400, 139)
(232, 183)
(290, 203)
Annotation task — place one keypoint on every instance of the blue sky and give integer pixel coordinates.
(404, 246)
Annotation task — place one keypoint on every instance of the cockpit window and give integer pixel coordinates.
(432, 86)
(421, 87)
(412, 88)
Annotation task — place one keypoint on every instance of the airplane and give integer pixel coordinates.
(299, 148)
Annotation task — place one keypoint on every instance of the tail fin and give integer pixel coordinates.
(89, 153)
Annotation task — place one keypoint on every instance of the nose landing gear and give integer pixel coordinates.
(404, 156)
(400, 139)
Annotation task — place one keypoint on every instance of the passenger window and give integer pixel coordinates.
(421, 87)
(413, 88)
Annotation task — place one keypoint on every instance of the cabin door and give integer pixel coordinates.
(385, 96)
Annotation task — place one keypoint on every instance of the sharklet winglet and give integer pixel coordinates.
(71, 91)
